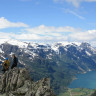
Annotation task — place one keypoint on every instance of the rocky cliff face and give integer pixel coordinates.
(17, 82)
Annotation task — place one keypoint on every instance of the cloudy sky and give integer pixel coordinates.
(48, 20)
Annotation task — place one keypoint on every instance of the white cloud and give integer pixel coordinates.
(4, 23)
(53, 34)
(27, 36)
(47, 29)
(76, 3)
(42, 32)
(74, 13)
(4, 35)
(89, 35)
(67, 33)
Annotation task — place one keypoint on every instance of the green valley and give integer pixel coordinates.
(78, 92)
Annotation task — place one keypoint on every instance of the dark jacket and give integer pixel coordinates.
(15, 61)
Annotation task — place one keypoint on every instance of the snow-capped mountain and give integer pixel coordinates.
(35, 50)
(59, 61)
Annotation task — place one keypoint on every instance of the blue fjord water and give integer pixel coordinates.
(87, 80)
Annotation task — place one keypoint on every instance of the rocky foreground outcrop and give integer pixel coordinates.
(17, 82)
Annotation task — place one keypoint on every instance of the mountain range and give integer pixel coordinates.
(59, 61)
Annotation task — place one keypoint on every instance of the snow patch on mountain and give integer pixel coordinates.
(89, 54)
(1, 51)
(71, 43)
(18, 43)
(21, 62)
(55, 48)
(30, 53)
(3, 41)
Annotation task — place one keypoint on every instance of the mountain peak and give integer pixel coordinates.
(21, 44)
(17, 82)
(85, 44)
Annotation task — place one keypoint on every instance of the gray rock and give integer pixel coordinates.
(17, 82)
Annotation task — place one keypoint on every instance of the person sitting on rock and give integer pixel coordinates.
(15, 61)
(6, 65)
